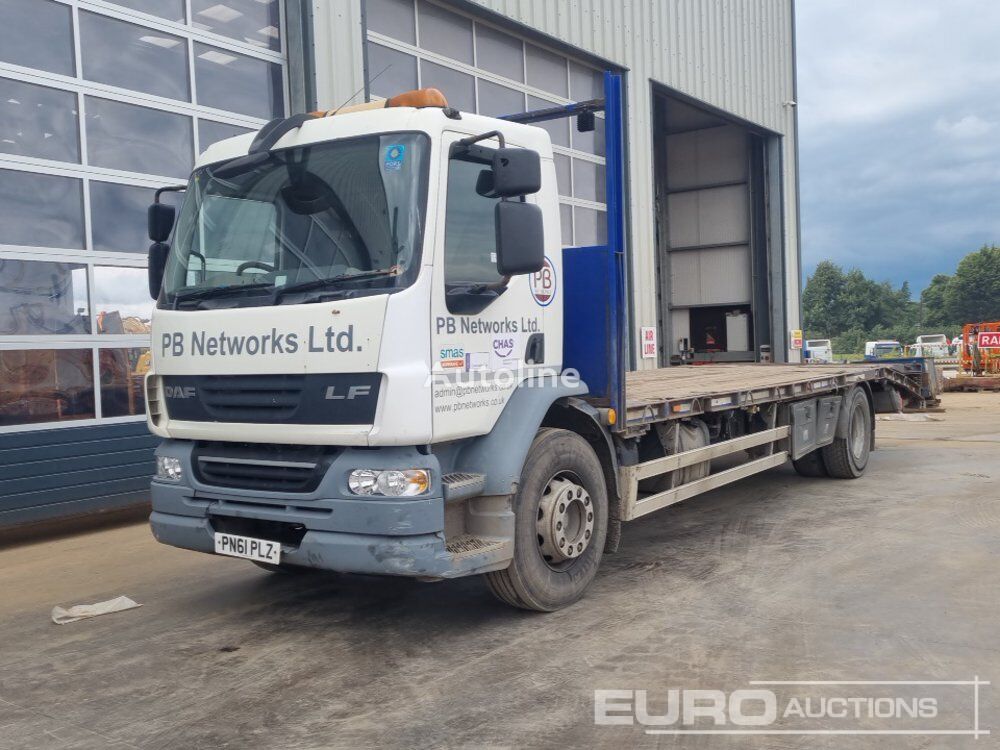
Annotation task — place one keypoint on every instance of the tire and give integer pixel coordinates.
(847, 457)
(811, 465)
(563, 463)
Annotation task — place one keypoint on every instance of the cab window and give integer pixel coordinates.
(470, 253)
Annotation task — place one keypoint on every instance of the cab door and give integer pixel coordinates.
(487, 330)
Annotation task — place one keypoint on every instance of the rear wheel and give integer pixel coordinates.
(811, 465)
(561, 521)
(847, 457)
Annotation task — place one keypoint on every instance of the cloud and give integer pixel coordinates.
(900, 163)
(970, 126)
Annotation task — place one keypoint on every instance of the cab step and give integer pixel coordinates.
(461, 486)
(466, 544)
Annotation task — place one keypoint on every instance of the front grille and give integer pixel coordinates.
(263, 398)
(315, 398)
(273, 468)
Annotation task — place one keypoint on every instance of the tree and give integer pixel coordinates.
(934, 313)
(821, 300)
(973, 293)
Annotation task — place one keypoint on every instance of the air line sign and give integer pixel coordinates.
(989, 340)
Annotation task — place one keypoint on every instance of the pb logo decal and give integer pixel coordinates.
(543, 284)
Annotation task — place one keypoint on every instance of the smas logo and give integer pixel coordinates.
(543, 284)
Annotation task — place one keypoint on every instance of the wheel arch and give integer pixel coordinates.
(577, 416)
(500, 454)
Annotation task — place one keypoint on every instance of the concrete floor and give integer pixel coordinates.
(895, 576)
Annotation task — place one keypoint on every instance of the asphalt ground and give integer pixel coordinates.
(895, 576)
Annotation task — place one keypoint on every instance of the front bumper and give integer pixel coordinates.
(333, 529)
(414, 555)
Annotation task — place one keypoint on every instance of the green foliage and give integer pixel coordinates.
(932, 303)
(973, 293)
(851, 309)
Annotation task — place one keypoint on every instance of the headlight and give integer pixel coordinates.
(389, 482)
(169, 468)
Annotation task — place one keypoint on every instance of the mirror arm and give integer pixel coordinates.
(168, 189)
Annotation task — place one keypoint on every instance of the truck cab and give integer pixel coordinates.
(342, 317)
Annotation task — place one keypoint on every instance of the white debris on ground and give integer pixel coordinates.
(62, 615)
(901, 417)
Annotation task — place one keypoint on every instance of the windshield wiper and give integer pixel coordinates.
(215, 291)
(306, 286)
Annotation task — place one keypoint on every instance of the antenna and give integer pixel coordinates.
(368, 84)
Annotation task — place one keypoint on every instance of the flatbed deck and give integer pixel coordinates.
(687, 390)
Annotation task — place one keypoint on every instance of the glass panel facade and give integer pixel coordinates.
(43, 298)
(499, 53)
(496, 100)
(390, 71)
(118, 216)
(83, 146)
(121, 300)
(255, 22)
(445, 32)
(138, 139)
(133, 57)
(210, 132)
(46, 385)
(459, 88)
(37, 34)
(40, 210)
(248, 85)
(393, 18)
(38, 121)
(121, 374)
(171, 10)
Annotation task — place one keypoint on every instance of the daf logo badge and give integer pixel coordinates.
(180, 391)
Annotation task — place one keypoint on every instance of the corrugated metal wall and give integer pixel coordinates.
(736, 55)
(63, 472)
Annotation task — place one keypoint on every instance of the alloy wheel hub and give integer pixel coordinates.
(565, 521)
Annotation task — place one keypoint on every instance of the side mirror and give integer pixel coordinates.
(160, 220)
(520, 238)
(157, 263)
(516, 171)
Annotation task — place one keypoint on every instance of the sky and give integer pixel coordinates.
(899, 134)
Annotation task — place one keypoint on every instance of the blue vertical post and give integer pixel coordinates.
(615, 197)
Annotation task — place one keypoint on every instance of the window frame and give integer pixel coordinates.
(468, 302)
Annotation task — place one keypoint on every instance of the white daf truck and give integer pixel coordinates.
(372, 354)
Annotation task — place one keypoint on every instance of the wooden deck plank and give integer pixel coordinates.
(706, 381)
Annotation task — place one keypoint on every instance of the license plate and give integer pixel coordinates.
(248, 548)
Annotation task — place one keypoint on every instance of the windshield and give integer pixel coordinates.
(323, 221)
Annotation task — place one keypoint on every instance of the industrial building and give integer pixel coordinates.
(101, 102)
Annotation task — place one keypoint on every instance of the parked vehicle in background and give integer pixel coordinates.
(931, 345)
(819, 351)
(886, 349)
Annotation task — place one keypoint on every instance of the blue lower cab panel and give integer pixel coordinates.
(69, 471)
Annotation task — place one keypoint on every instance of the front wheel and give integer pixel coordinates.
(560, 524)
